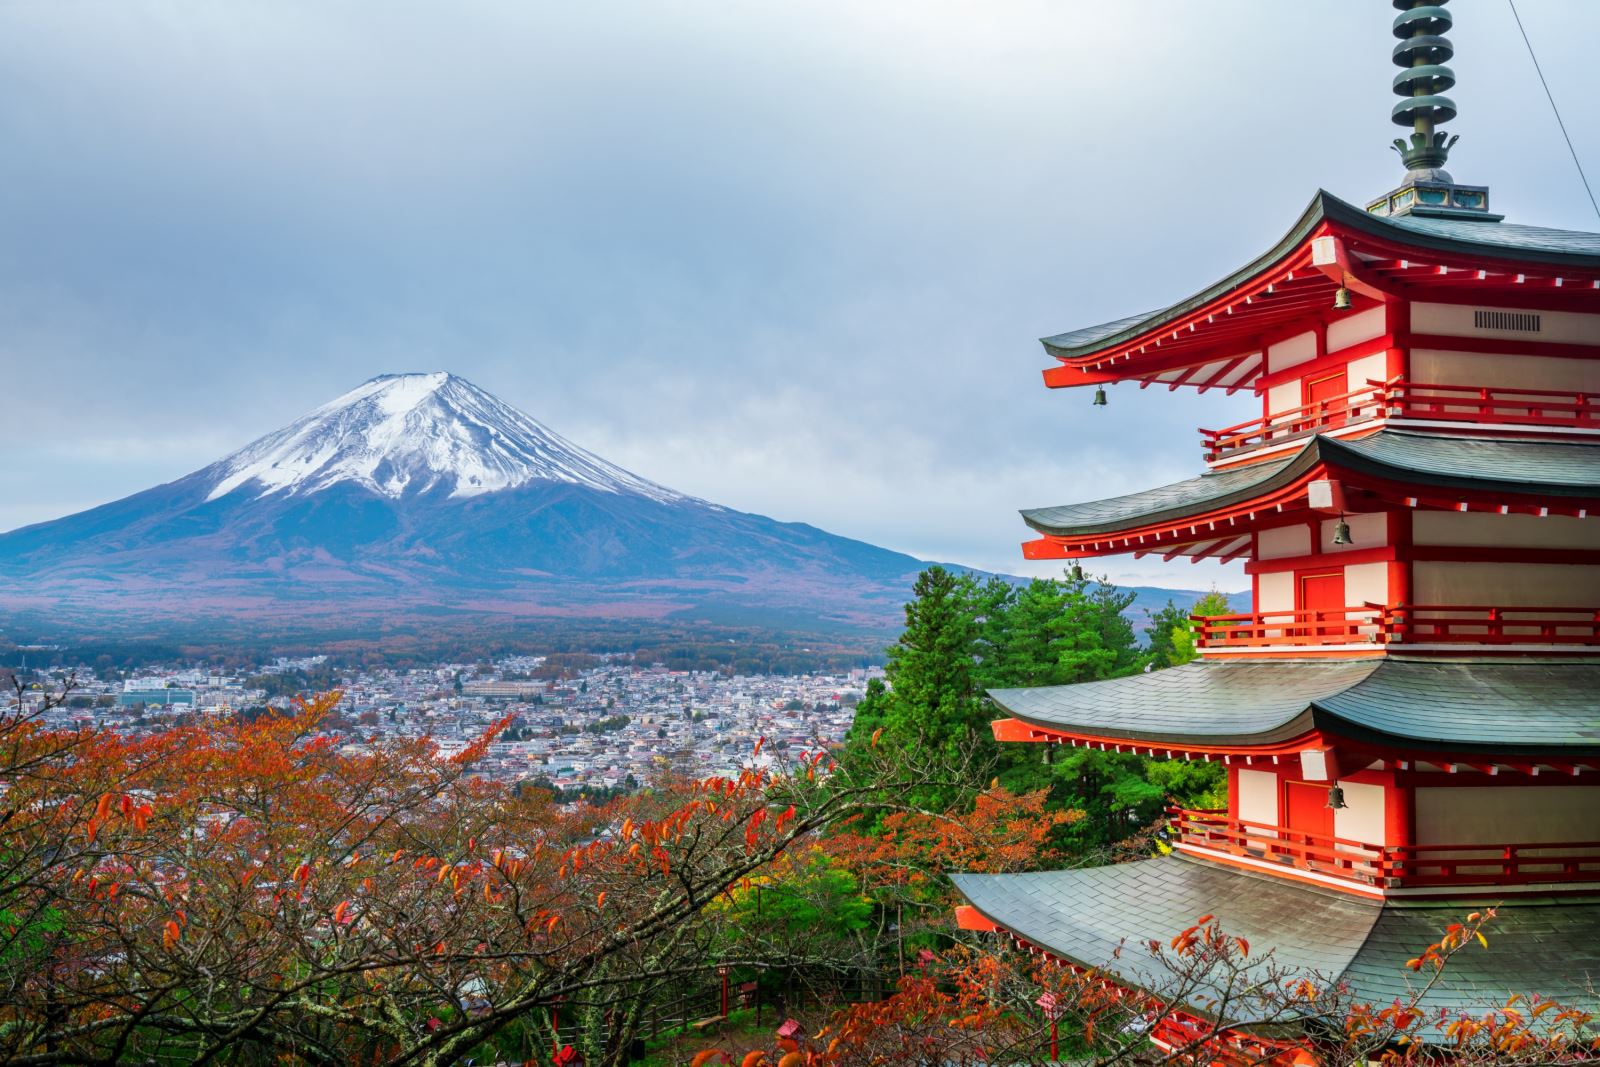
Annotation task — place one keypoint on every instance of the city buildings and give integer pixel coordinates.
(615, 726)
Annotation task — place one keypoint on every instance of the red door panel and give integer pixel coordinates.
(1322, 389)
(1323, 596)
(1306, 810)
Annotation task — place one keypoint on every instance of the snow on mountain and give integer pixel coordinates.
(403, 434)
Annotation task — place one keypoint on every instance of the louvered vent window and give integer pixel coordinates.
(1506, 320)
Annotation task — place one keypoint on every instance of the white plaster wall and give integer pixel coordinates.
(1258, 796)
(1366, 531)
(1283, 542)
(1373, 368)
(1497, 371)
(1504, 531)
(1463, 815)
(1506, 584)
(1291, 353)
(1455, 320)
(1366, 583)
(1285, 397)
(1353, 329)
(1275, 592)
(1362, 817)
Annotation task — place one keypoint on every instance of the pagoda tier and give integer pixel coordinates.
(1448, 775)
(1388, 268)
(1395, 542)
(1097, 917)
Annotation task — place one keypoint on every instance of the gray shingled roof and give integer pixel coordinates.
(1535, 946)
(1090, 334)
(1464, 707)
(1199, 703)
(1481, 238)
(1550, 947)
(1511, 236)
(1427, 459)
(1563, 468)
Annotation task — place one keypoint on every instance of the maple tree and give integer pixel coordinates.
(236, 890)
(1211, 998)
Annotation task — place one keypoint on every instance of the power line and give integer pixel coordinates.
(1549, 96)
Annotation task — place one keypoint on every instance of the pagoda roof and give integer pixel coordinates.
(1284, 282)
(1102, 917)
(1507, 466)
(1463, 707)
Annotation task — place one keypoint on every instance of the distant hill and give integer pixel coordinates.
(421, 501)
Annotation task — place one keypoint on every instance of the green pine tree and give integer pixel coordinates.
(932, 710)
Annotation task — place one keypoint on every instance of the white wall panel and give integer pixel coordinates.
(1495, 371)
(1504, 531)
(1275, 592)
(1506, 584)
(1291, 353)
(1463, 815)
(1362, 818)
(1283, 542)
(1352, 329)
(1258, 797)
(1456, 320)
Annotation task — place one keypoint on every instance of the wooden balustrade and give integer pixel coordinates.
(1333, 626)
(1395, 624)
(1389, 866)
(1402, 399)
(1487, 625)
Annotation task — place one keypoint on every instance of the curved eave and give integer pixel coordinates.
(1245, 484)
(1265, 708)
(1510, 470)
(1077, 349)
(1199, 707)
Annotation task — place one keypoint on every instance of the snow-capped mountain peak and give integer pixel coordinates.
(400, 434)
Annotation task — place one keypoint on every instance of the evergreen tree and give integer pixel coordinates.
(932, 708)
(1172, 634)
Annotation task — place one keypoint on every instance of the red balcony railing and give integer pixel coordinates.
(1325, 414)
(1397, 624)
(1401, 399)
(1389, 866)
(1432, 624)
(1331, 626)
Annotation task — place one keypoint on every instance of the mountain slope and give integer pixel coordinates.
(421, 491)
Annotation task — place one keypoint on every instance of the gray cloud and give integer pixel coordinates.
(790, 257)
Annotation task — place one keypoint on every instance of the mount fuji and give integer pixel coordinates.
(421, 495)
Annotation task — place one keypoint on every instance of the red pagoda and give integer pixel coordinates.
(1410, 713)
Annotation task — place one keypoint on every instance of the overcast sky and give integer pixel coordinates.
(790, 257)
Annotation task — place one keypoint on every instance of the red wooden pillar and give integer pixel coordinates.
(1397, 325)
(1399, 814)
(1399, 531)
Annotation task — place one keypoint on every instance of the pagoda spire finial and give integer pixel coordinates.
(1428, 189)
(1422, 52)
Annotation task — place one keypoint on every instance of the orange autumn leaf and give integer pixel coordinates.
(170, 934)
(753, 1059)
